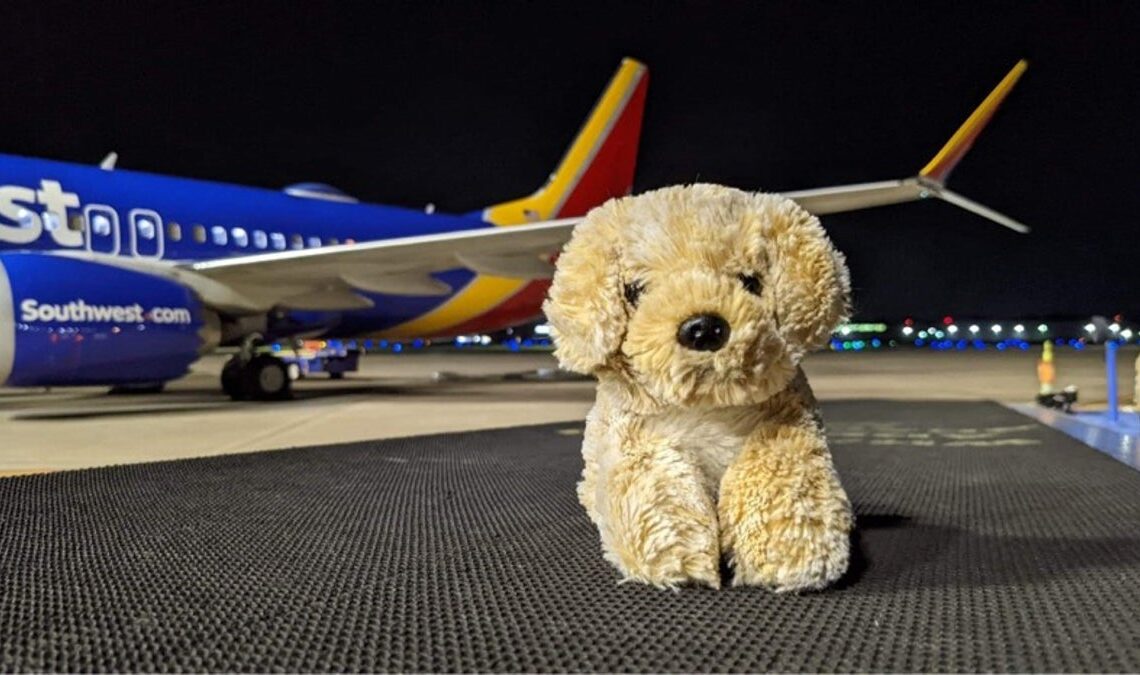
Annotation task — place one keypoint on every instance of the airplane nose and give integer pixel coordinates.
(703, 333)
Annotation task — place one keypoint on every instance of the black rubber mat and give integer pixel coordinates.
(989, 543)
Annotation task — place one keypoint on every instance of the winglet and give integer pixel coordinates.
(939, 168)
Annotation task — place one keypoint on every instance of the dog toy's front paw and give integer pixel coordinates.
(790, 554)
(667, 550)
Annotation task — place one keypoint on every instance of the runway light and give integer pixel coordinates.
(1114, 327)
(922, 334)
(542, 329)
(952, 329)
(996, 328)
(1041, 328)
(1019, 328)
(907, 330)
(947, 320)
(844, 330)
(974, 329)
(1089, 328)
(1126, 333)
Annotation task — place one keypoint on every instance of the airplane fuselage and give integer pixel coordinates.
(51, 207)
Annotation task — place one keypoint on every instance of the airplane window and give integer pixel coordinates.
(314, 242)
(218, 235)
(146, 228)
(101, 225)
(259, 239)
(297, 241)
(76, 223)
(51, 221)
(333, 241)
(240, 237)
(278, 241)
(199, 234)
(173, 231)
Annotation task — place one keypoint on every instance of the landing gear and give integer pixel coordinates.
(260, 377)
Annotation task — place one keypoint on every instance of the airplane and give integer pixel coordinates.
(122, 278)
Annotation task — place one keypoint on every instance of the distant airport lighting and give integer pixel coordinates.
(1114, 327)
(1019, 328)
(1041, 328)
(1126, 333)
(907, 330)
(844, 330)
(952, 329)
(974, 328)
(1089, 328)
(542, 329)
(996, 328)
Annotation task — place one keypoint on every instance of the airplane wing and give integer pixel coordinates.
(931, 181)
(325, 278)
(329, 277)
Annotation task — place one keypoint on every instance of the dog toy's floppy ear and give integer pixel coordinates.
(584, 306)
(813, 287)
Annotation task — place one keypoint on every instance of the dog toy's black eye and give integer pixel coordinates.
(751, 283)
(633, 292)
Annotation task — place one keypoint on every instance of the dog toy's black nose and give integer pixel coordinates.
(704, 333)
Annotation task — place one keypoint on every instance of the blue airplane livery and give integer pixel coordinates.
(121, 278)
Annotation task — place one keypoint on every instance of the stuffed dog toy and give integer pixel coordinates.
(693, 306)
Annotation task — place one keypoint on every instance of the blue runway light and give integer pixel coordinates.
(397, 347)
(919, 342)
(876, 343)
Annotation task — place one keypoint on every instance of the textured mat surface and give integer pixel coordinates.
(988, 543)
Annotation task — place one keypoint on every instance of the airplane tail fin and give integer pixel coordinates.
(599, 163)
(931, 180)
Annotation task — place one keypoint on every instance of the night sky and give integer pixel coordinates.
(466, 104)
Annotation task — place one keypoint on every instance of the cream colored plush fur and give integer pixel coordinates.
(694, 455)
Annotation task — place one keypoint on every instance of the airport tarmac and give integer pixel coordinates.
(439, 391)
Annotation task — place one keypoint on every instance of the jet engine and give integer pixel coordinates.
(76, 321)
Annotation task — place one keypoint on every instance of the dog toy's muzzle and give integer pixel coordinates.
(703, 333)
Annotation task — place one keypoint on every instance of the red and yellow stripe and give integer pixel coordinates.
(959, 144)
(598, 165)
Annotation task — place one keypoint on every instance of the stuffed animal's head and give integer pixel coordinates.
(697, 295)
